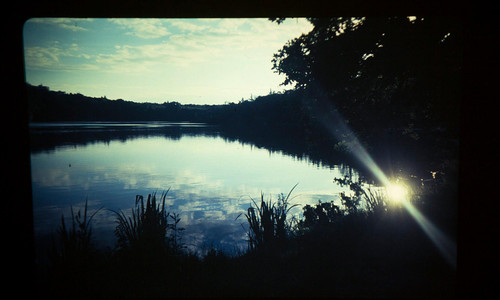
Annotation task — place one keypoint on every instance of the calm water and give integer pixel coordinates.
(211, 179)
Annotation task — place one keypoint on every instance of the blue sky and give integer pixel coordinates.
(198, 61)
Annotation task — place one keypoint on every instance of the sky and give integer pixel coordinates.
(191, 61)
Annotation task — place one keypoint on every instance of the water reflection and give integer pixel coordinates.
(211, 178)
(49, 136)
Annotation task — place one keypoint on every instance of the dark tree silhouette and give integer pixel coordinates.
(396, 71)
(395, 80)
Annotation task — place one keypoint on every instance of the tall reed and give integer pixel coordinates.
(74, 242)
(376, 202)
(268, 225)
(146, 229)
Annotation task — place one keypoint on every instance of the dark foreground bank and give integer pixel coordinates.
(331, 252)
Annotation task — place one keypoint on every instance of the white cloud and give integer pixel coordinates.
(178, 52)
(187, 26)
(231, 25)
(72, 24)
(143, 28)
(198, 42)
(50, 57)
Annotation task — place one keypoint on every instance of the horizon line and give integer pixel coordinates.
(157, 103)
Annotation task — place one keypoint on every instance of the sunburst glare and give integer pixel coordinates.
(397, 192)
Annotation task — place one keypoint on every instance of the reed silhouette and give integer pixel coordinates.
(269, 228)
(146, 230)
(73, 256)
(376, 251)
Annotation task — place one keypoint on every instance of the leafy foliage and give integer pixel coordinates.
(396, 70)
(322, 213)
(351, 203)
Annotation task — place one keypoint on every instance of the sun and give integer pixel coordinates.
(396, 193)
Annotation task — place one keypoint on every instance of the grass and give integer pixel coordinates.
(147, 226)
(331, 251)
(375, 201)
(73, 258)
(268, 225)
(74, 242)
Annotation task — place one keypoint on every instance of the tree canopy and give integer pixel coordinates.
(391, 72)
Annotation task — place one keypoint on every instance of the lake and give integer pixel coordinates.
(212, 178)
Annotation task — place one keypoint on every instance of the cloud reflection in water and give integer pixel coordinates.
(211, 181)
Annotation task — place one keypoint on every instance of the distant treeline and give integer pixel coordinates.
(277, 114)
(51, 106)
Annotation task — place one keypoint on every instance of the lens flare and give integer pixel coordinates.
(446, 246)
(335, 124)
(396, 193)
